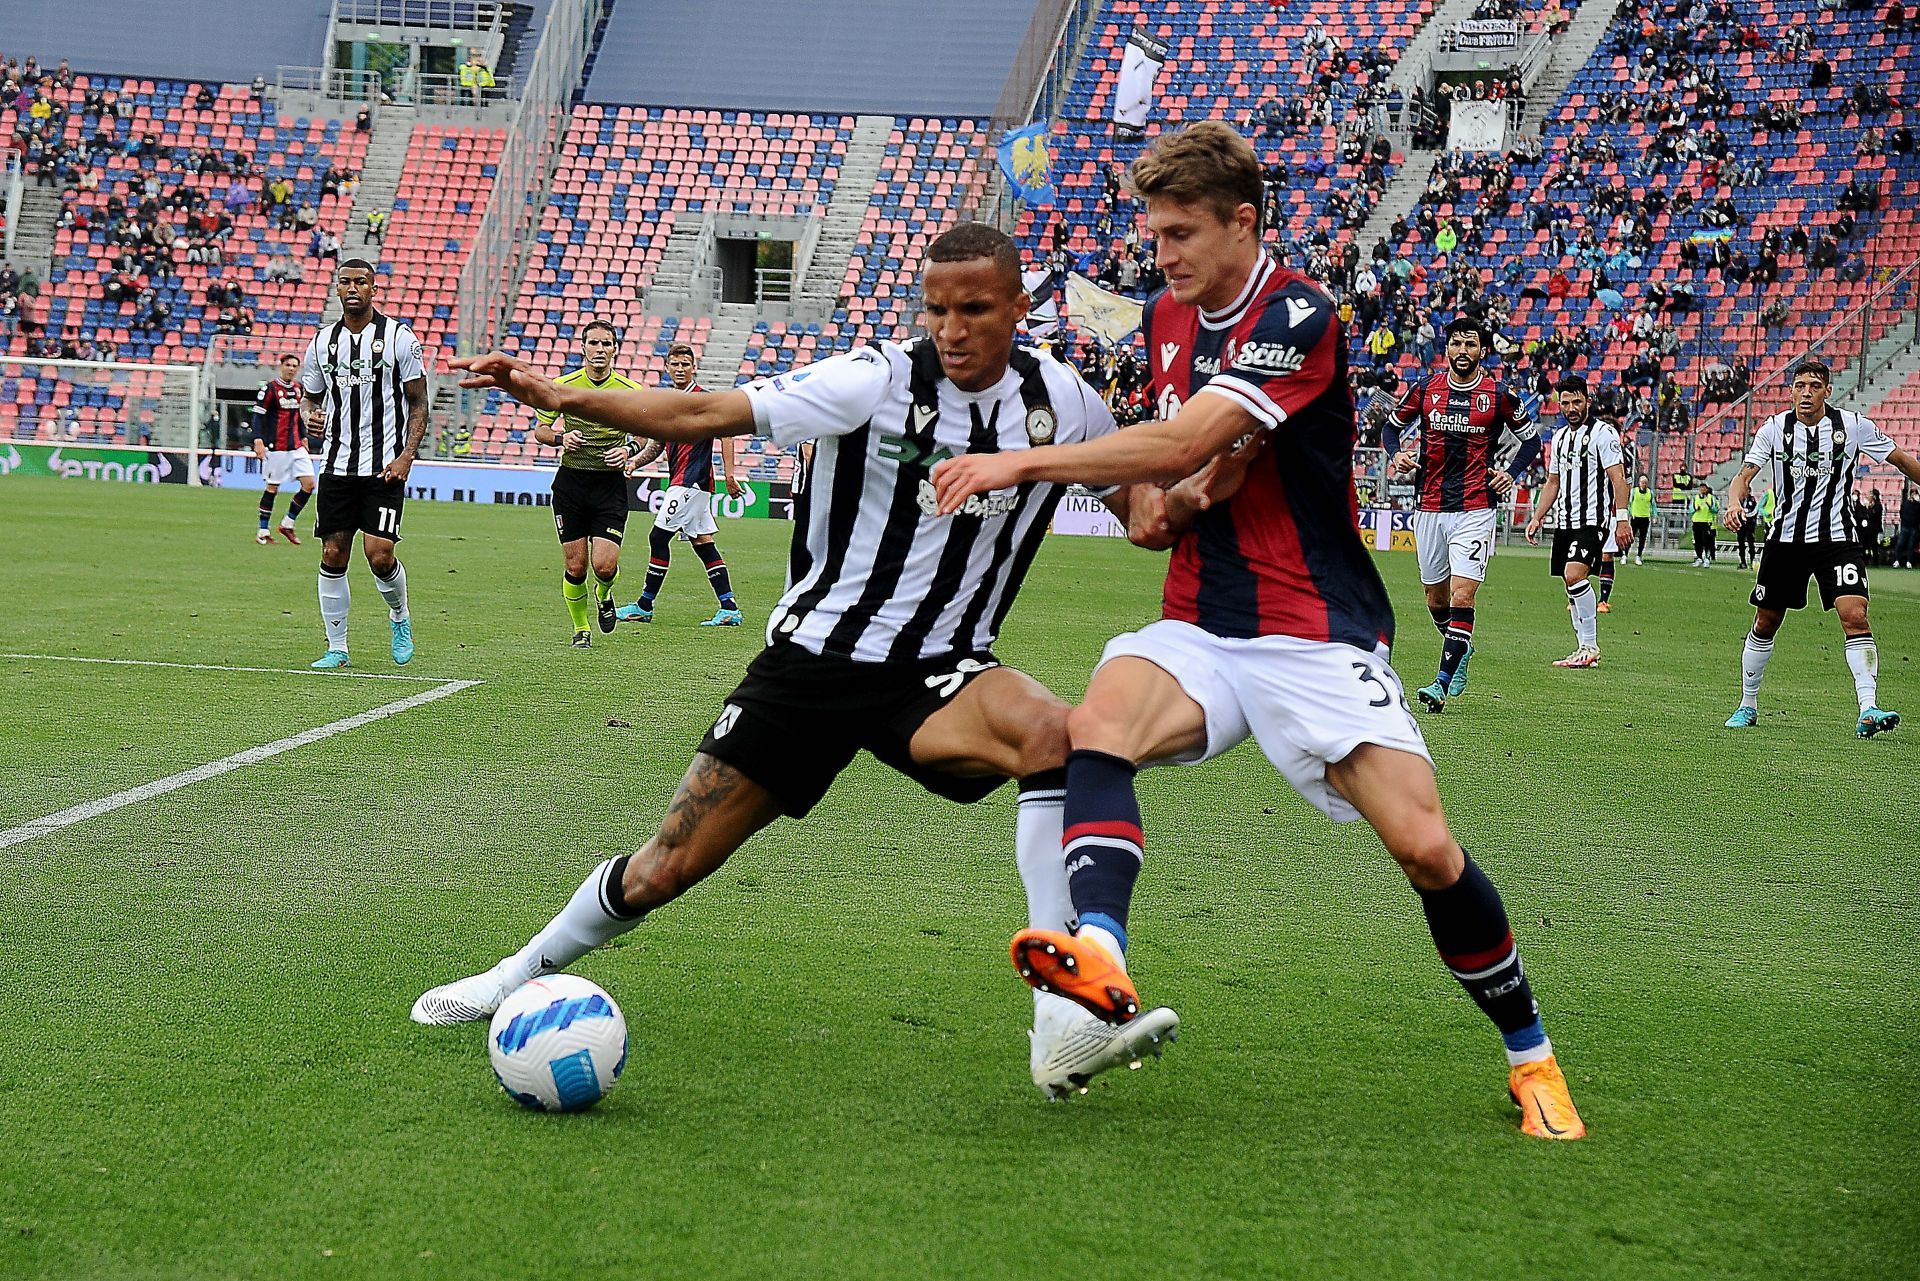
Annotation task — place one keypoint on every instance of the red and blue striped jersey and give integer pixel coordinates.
(690, 463)
(1283, 556)
(276, 416)
(1461, 434)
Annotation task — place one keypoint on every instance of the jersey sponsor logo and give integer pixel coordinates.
(1168, 350)
(976, 505)
(1444, 421)
(1298, 310)
(1270, 358)
(909, 452)
(1208, 365)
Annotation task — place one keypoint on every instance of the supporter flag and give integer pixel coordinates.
(1043, 317)
(1133, 96)
(1026, 158)
(1093, 309)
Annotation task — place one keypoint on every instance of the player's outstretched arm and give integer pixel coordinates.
(1906, 463)
(1157, 451)
(653, 412)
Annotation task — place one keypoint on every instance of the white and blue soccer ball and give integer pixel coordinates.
(558, 1044)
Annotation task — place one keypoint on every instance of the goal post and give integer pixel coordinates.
(104, 404)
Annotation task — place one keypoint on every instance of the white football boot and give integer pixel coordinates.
(1070, 1046)
(467, 1000)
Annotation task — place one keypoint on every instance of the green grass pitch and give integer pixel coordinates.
(208, 1070)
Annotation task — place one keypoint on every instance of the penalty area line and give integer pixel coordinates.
(215, 667)
(213, 769)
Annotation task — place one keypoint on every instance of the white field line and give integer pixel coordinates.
(213, 769)
(214, 667)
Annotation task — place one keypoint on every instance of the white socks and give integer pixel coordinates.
(1753, 666)
(1586, 614)
(1863, 656)
(394, 592)
(1037, 835)
(586, 922)
(335, 597)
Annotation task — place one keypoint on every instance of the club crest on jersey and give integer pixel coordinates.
(1041, 425)
(379, 347)
(1482, 403)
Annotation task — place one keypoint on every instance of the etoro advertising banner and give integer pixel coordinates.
(86, 462)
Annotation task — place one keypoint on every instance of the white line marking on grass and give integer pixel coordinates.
(252, 756)
(214, 667)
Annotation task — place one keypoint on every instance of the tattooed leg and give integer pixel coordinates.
(713, 814)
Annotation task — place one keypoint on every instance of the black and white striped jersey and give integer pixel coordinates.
(1581, 456)
(362, 380)
(874, 575)
(1813, 469)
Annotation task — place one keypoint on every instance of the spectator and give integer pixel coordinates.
(1821, 74)
(204, 100)
(1906, 541)
(1869, 518)
(363, 122)
(376, 226)
(476, 79)
(258, 89)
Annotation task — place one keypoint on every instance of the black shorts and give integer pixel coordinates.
(1581, 546)
(797, 720)
(366, 503)
(1840, 569)
(589, 504)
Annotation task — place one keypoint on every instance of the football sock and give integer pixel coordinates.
(1459, 635)
(1469, 927)
(596, 914)
(660, 547)
(1606, 578)
(266, 511)
(603, 587)
(1439, 614)
(1586, 614)
(709, 554)
(298, 505)
(1753, 666)
(1043, 873)
(335, 596)
(574, 592)
(1103, 843)
(394, 592)
(1863, 656)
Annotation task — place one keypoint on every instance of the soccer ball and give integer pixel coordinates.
(558, 1044)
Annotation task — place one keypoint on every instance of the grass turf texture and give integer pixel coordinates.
(210, 1071)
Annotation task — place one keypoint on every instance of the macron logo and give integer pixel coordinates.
(924, 415)
(1168, 350)
(1297, 311)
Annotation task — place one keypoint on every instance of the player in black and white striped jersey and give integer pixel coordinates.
(1813, 450)
(883, 640)
(365, 382)
(1586, 495)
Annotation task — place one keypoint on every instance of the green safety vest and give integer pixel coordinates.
(1704, 509)
(1640, 504)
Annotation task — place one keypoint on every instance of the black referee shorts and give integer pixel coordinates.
(589, 504)
(798, 719)
(343, 504)
(1839, 569)
(1578, 546)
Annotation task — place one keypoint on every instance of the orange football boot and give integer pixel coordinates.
(1546, 1108)
(1078, 969)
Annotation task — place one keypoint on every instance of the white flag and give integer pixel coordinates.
(1093, 309)
(1133, 97)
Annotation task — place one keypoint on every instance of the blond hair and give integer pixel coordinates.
(1205, 164)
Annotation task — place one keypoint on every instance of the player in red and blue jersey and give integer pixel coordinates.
(1275, 624)
(687, 509)
(280, 443)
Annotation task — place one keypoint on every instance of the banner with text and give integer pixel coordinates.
(1478, 126)
(89, 462)
(1486, 33)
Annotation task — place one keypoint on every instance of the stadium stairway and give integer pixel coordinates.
(1403, 192)
(726, 344)
(1571, 50)
(33, 238)
(379, 184)
(1903, 361)
(1411, 69)
(826, 267)
(672, 285)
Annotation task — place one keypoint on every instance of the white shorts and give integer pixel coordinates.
(1308, 704)
(687, 512)
(1453, 544)
(284, 465)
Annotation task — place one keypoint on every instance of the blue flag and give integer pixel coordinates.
(1026, 158)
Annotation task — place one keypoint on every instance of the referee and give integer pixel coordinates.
(590, 486)
(365, 384)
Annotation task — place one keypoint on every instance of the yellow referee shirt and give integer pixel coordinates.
(597, 438)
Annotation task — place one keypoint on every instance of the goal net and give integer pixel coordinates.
(107, 403)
